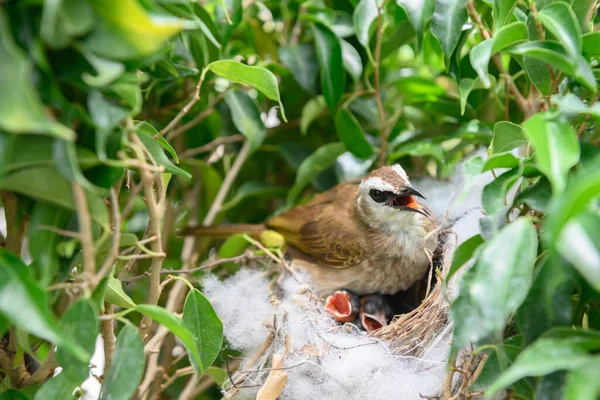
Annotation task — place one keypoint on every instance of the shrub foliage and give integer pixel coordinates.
(122, 121)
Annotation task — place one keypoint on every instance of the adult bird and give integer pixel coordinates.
(375, 237)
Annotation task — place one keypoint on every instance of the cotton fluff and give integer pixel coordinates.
(242, 303)
(324, 360)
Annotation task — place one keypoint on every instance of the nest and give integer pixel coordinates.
(409, 335)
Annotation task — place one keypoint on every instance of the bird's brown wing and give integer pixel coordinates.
(325, 228)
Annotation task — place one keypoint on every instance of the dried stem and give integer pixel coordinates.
(14, 228)
(116, 238)
(85, 228)
(227, 182)
(197, 119)
(108, 335)
(211, 145)
(519, 99)
(377, 77)
(155, 213)
(185, 109)
(206, 265)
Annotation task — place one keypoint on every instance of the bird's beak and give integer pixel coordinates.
(372, 322)
(406, 201)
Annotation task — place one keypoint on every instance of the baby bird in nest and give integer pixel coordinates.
(375, 237)
(370, 312)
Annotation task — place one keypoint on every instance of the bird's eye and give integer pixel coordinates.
(377, 195)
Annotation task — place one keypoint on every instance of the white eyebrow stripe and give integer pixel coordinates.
(400, 171)
(378, 183)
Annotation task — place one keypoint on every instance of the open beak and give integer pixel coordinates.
(406, 201)
(372, 322)
(342, 306)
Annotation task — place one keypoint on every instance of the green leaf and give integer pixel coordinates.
(246, 117)
(230, 15)
(503, 10)
(496, 285)
(448, 20)
(12, 394)
(115, 294)
(464, 253)
(584, 12)
(65, 156)
(548, 303)
(583, 383)
(323, 158)
(363, 17)
(329, 54)
(106, 116)
(124, 30)
(42, 242)
(301, 60)
(24, 304)
(233, 246)
(259, 78)
(167, 146)
(507, 136)
(494, 193)
(419, 13)
(145, 134)
(560, 20)
(311, 111)
(80, 326)
(501, 160)
(351, 60)
(579, 243)
(418, 149)
(176, 327)
(553, 53)
(58, 387)
(571, 106)
(537, 196)
(591, 44)
(506, 36)
(126, 369)
(581, 192)
(351, 134)
(556, 148)
(107, 71)
(202, 321)
(467, 85)
(253, 189)
(544, 356)
(21, 110)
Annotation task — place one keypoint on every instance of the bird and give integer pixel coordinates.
(343, 305)
(374, 237)
(374, 312)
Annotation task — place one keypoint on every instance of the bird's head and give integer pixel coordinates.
(387, 200)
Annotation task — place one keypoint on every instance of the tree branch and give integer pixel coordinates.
(85, 228)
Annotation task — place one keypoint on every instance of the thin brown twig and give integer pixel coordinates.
(85, 228)
(154, 229)
(210, 146)
(62, 232)
(207, 265)
(108, 335)
(184, 110)
(215, 207)
(378, 102)
(116, 239)
(197, 119)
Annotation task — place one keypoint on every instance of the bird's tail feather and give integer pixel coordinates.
(223, 231)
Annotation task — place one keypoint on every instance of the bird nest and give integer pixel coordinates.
(304, 349)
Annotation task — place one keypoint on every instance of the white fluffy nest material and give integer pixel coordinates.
(293, 349)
